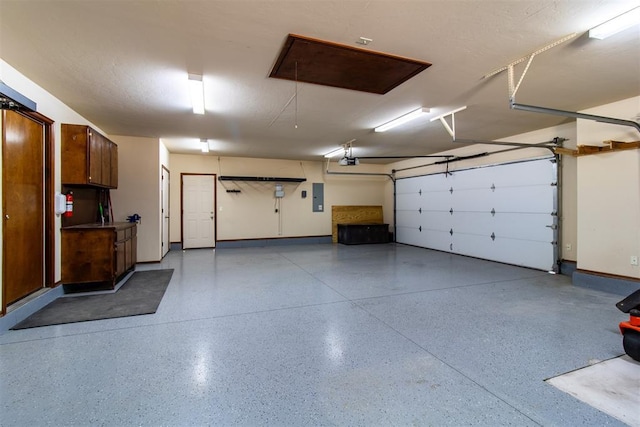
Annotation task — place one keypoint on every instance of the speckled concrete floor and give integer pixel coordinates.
(321, 335)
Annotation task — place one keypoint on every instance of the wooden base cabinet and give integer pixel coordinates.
(95, 253)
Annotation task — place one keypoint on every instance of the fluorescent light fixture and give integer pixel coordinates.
(196, 88)
(204, 145)
(344, 148)
(334, 153)
(615, 25)
(402, 119)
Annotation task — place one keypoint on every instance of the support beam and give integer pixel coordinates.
(563, 113)
(584, 150)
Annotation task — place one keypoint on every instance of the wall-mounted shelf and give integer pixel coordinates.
(260, 179)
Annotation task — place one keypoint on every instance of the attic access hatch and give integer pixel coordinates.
(308, 60)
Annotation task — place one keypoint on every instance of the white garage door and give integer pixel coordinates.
(505, 213)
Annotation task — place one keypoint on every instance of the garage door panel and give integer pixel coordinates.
(473, 245)
(535, 227)
(526, 173)
(513, 225)
(435, 198)
(522, 253)
(472, 222)
(524, 199)
(472, 200)
(437, 239)
(409, 202)
(531, 254)
(408, 218)
(436, 220)
(410, 236)
(407, 188)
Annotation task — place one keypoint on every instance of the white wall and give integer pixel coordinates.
(51, 107)
(609, 194)
(251, 214)
(139, 191)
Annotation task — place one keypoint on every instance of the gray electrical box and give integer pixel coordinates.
(318, 196)
(279, 191)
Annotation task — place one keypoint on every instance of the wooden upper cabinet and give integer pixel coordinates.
(88, 158)
(114, 166)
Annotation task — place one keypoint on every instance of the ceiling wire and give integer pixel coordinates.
(289, 101)
(282, 110)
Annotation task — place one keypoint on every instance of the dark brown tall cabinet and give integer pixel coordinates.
(92, 251)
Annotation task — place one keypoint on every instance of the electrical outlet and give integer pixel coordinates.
(568, 247)
(634, 260)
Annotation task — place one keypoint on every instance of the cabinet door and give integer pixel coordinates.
(114, 165)
(134, 250)
(121, 256)
(74, 151)
(128, 247)
(105, 158)
(87, 256)
(95, 157)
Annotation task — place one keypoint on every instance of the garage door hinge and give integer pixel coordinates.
(493, 236)
(493, 212)
(451, 211)
(451, 232)
(554, 184)
(420, 229)
(451, 190)
(419, 210)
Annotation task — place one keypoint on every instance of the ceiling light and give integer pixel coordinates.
(344, 149)
(402, 119)
(196, 88)
(615, 25)
(204, 145)
(334, 153)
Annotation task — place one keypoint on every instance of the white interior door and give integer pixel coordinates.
(165, 212)
(505, 213)
(198, 211)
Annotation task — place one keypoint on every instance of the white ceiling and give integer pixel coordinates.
(123, 65)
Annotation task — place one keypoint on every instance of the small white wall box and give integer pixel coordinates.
(279, 190)
(61, 204)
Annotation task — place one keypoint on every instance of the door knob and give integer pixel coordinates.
(6, 217)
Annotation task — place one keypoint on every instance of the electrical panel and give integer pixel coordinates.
(318, 197)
